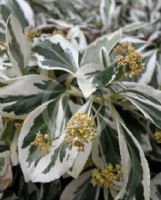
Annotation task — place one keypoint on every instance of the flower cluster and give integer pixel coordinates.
(81, 129)
(42, 142)
(158, 136)
(105, 178)
(131, 62)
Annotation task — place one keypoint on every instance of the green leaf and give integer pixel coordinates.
(19, 47)
(52, 190)
(106, 77)
(81, 189)
(106, 148)
(28, 191)
(138, 126)
(56, 53)
(24, 94)
(7, 131)
(109, 142)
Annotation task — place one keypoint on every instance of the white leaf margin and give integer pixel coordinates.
(69, 191)
(66, 45)
(150, 68)
(85, 83)
(35, 173)
(21, 39)
(83, 156)
(23, 86)
(125, 160)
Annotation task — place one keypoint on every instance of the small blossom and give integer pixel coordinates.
(32, 34)
(42, 142)
(105, 178)
(18, 125)
(131, 62)
(158, 137)
(3, 46)
(81, 129)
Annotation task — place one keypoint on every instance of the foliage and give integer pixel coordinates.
(80, 99)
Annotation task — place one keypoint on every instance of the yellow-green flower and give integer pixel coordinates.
(32, 34)
(158, 136)
(130, 61)
(81, 129)
(42, 142)
(105, 178)
(3, 46)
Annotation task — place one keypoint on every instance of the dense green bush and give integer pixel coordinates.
(80, 100)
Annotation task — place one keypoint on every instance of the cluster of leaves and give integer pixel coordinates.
(57, 59)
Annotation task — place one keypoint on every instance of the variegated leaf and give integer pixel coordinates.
(49, 118)
(133, 26)
(77, 37)
(136, 183)
(19, 46)
(146, 99)
(107, 8)
(109, 142)
(56, 53)
(4, 160)
(20, 9)
(138, 126)
(156, 187)
(106, 148)
(2, 31)
(83, 156)
(155, 153)
(5, 170)
(150, 69)
(22, 95)
(104, 58)
(84, 81)
(81, 189)
(14, 148)
(92, 52)
(106, 77)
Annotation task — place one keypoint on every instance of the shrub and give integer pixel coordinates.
(80, 100)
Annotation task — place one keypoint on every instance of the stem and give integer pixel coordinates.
(68, 80)
(103, 99)
(74, 92)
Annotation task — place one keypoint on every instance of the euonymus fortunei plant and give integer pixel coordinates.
(76, 108)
